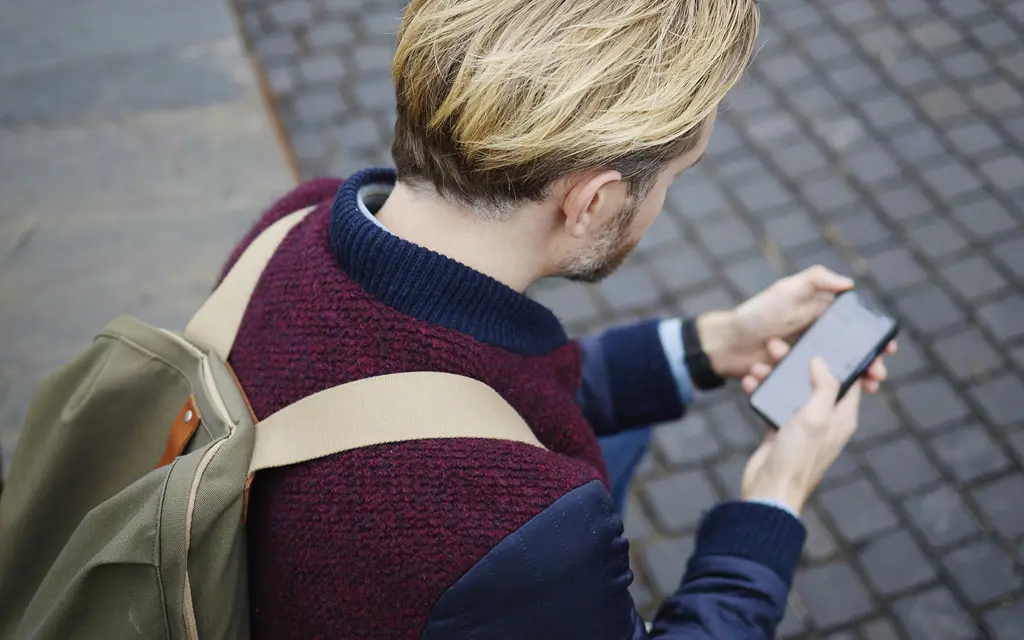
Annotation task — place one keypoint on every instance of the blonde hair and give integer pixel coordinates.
(497, 99)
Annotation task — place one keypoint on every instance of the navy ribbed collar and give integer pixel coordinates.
(431, 287)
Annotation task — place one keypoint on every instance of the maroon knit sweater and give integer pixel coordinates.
(363, 543)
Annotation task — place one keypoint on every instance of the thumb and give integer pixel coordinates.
(824, 279)
(824, 390)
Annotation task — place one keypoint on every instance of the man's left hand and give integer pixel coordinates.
(746, 341)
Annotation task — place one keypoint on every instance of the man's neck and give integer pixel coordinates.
(501, 250)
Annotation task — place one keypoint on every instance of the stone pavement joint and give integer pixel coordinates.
(883, 139)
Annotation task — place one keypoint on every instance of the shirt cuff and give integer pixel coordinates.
(670, 332)
(778, 505)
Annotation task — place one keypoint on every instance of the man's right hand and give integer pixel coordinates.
(791, 461)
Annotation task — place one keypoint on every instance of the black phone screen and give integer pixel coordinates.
(848, 336)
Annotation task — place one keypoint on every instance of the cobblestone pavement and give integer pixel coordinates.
(884, 139)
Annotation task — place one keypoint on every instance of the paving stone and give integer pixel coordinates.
(792, 625)
(750, 96)
(918, 144)
(852, 12)
(377, 94)
(860, 230)
(844, 468)
(943, 104)
(937, 239)
(799, 159)
(784, 69)
(951, 179)
(879, 630)
(708, 300)
(730, 475)
(696, 200)
(904, 203)
(1011, 254)
(1000, 399)
(840, 131)
(901, 465)
(930, 309)
(629, 288)
(290, 13)
(736, 424)
(319, 106)
(828, 194)
(570, 302)
(997, 97)
(941, 516)
(934, 614)
(641, 595)
(276, 46)
(908, 362)
(973, 277)
(894, 268)
(935, 35)
(912, 72)
(820, 543)
(664, 232)
(967, 354)
(888, 111)
(969, 453)
(685, 442)
(1007, 621)
(963, 8)
(1006, 172)
(982, 571)
(330, 34)
(833, 594)
(872, 166)
(876, 419)
(637, 525)
(791, 229)
(985, 218)
(883, 43)
(730, 236)
(974, 137)
(1004, 317)
(752, 276)
(724, 139)
(965, 65)
(999, 502)
(357, 132)
(857, 510)
(931, 403)
(908, 8)
(854, 78)
(895, 563)
(664, 562)
(763, 195)
(813, 100)
(678, 501)
(842, 635)
(824, 255)
(827, 46)
(681, 269)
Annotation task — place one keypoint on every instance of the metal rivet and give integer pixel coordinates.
(188, 416)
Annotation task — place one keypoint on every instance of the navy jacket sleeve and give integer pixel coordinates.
(565, 574)
(627, 379)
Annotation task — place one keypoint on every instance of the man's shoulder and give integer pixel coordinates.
(403, 521)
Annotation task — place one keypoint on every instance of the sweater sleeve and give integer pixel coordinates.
(308, 193)
(634, 376)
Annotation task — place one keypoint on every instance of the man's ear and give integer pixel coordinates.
(590, 198)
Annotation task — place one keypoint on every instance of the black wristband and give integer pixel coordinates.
(697, 362)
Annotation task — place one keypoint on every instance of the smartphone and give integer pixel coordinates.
(849, 335)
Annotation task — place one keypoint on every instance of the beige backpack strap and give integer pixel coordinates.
(389, 408)
(216, 323)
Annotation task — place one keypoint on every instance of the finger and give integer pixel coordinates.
(824, 390)
(824, 279)
(749, 384)
(871, 386)
(890, 349)
(760, 371)
(877, 371)
(846, 412)
(777, 349)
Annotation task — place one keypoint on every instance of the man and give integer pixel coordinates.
(534, 138)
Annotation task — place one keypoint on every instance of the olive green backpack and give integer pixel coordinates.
(124, 507)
